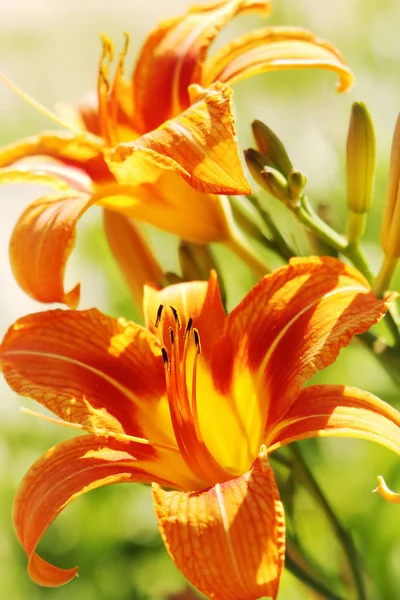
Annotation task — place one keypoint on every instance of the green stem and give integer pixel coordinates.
(243, 250)
(281, 246)
(310, 219)
(345, 539)
(356, 224)
(384, 277)
(309, 580)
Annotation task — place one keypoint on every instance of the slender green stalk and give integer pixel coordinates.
(281, 246)
(309, 580)
(345, 539)
(243, 250)
(384, 277)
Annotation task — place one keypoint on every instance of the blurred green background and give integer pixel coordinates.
(51, 49)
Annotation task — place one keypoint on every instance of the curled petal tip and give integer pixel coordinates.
(386, 493)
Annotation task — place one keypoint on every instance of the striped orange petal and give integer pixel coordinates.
(65, 472)
(340, 411)
(42, 242)
(293, 323)
(114, 370)
(229, 540)
(275, 49)
(175, 52)
(200, 145)
(80, 150)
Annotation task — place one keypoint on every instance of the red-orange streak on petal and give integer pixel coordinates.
(294, 322)
(173, 55)
(65, 472)
(272, 49)
(229, 540)
(87, 368)
(335, 410)
(41, 244)
(198, 300)
(200, 145)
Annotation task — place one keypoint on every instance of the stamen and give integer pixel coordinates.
(165, 357)
(123, 437)
(197, 340)
(177, 318)
(194, 387)
(172, 336)
(159, 314)
(36, 105)
(188, 327)
(116, 86)
(103, 88)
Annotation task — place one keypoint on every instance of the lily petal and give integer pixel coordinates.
(172, 205)
(134, 257)
(41, 244)
(198, 300)
(336, 410)
(48, 171)
(200, 145)
(114, 371)
(272, 49)
(386, 493)
(77, 150)
(175, 51)
(229, 541)
(65, 472)
(292, 324)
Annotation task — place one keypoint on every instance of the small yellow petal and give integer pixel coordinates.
(386, 493)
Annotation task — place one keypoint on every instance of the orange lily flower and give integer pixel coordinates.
(195, 403)
(161, 147)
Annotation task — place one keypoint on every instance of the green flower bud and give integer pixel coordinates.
(361, 155)
(272, 148)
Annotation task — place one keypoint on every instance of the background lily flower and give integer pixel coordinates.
(196, 402)
(160, 148)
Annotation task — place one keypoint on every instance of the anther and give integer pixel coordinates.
(188, 327)
(126, 44)
(172, 336)
(197, 340)
(159, 314)
(165, 356)
(176, 316)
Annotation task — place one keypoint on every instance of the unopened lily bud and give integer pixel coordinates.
(272, 148)
(390, 232)
(256, 163)
(275, 184)
(297, 181)
(361, 156)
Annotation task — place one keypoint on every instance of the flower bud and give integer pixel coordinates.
(275, 184)
(361, 155)
(272, 148)
(390, 232)
(297, 181)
